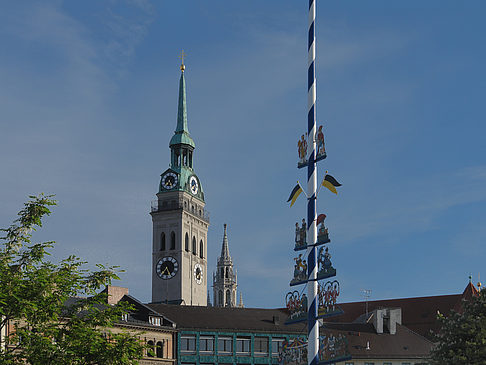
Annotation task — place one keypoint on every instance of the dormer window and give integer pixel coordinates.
(124, 317)
(155, 321)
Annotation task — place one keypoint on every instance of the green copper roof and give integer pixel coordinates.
(182, 133)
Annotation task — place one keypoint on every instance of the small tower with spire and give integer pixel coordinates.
(224, 279)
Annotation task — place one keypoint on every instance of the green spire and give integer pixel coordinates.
(181, 135)
(182, 109)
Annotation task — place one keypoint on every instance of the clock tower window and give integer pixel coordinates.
(201, 249)
(172, 240)
(184, 154)
(162, 242)
(176, 158)
(187, 243)
(194, 251)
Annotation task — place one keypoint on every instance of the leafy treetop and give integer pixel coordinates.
(462, 337)
(56, 313)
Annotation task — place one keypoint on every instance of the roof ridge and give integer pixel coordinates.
(405, 298)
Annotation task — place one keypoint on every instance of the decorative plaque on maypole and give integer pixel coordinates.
(313, 236)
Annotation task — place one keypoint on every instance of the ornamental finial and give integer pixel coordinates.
(183, 67)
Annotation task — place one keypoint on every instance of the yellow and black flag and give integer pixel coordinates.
(330, 183)
(295, 194)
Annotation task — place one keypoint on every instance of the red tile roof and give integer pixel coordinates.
(418, 314)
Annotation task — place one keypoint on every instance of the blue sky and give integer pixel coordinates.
(88, 103)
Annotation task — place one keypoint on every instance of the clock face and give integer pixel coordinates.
(194, 186)
(167, 267)
(198, 273)
(169, 180)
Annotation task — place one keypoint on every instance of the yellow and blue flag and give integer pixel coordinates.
(295, 194)
(330, 183)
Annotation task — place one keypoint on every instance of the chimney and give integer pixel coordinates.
(385, 320)
(115, 293)
(395, 316)
(377, 318)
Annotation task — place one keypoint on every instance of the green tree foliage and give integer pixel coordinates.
(57, 311)
(462, 338)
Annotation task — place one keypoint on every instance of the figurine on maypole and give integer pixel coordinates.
(302, 148)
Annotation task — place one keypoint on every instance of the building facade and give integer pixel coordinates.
(156, 331)
(229, 335)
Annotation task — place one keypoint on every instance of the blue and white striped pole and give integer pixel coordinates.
(312, 324)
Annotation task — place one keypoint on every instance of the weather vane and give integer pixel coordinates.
(183, 67)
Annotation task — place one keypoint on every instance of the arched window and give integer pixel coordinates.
(222, 273)
(172, 240)
(220, 297)
(162, 242)
(194, 251)
(201, 249)
(227, 273)
(187, 242)
(150, 349)
(228, 297)
(159, 350)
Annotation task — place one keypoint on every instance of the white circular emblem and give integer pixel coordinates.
(193, 185)
(198, 273)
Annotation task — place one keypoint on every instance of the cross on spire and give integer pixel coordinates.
(183, 67)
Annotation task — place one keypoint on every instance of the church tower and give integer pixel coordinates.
(180, 223)
(224, 279)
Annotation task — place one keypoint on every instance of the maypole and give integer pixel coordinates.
(321, 300)
(312, 323)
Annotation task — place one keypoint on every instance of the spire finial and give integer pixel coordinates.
(182, 135)
(183, 67)
(225, 249)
